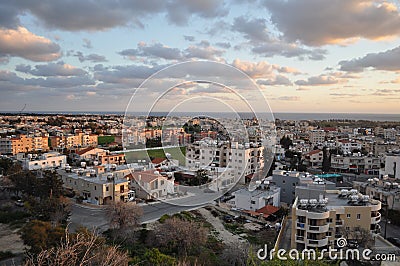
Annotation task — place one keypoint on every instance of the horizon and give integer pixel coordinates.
(93, 57)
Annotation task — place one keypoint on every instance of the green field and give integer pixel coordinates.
(105, 139)
(177, 153)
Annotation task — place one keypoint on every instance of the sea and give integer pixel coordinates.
(282, 116)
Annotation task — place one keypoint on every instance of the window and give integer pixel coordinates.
(106, 188)
(283, 181)
(358, 216)
(348, 215)
(253, 202)
(95, 188)
(328, 233)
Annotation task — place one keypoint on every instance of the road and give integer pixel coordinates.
(392, 230)
(95, 217)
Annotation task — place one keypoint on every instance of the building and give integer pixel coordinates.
(392, 165)
(356, 164)
(78, 140)
(318, 222)
(256, 199)
(245, 159)
(385, 190)
(347, 146)
(44, 161)
(390, 133)
(98, 188)
(314, 158)
(152, 185)
(317, 136)
(23, 144)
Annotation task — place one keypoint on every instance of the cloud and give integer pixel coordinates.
(95, 58)
(388, 60)
(320, 80)
(263, 43)
(189, 38)
(22, 43)
(276, 47)
(288, 98)
(156, 50)
(87, 43)
(51, 69)
(253, 29)
(179, 11)
(277, 80)
(201, 50)
(225, 45)
(315, 22)
(264, 70)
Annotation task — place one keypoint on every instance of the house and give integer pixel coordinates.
(314, 158)
(44, 161)
(152, 185)
(256, 199)
(98, 189)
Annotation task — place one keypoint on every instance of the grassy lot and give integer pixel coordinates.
(177, 153)
(105, 139)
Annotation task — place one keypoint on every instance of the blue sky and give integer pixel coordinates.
(305, 55)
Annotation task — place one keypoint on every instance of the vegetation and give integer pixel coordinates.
(101, 140)
(177, 153)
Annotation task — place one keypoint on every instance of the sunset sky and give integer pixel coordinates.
(316, 56)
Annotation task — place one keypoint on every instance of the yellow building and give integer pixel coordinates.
(23, 143)
(318, 223)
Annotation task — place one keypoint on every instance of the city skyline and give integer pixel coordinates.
(306, 56)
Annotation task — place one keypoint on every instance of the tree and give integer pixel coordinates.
(286, 142)
(326, 160)
(39, 235)
(83, 248)
(123, 215)
(180, 236)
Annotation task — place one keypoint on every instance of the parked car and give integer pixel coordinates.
(352, 244)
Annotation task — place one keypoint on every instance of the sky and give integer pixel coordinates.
(339, 56)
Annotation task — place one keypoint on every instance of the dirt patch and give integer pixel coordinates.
(10, 240)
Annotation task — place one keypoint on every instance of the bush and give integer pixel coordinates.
(164, 218)
(8, 216)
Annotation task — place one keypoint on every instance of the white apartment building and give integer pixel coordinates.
(348, 147)
(392, 165)
(44, 161)
(390, 133)
(356, 164)
(243, 159)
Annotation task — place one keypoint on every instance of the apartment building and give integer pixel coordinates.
(356, 164)
(390, 133)
(317, 136)
(385, 190)
(348, 146)
(318, 222)
(98, 189)
(23, 143)
(73, 141)
(44, 161)
(392, 165)
(314, 158)
(244, 159)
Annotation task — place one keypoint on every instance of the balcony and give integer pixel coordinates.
(318, 228)
(317, 242)
(376, 219)
(339, 223)
(310, 214)
(300, 226)
(300, 239)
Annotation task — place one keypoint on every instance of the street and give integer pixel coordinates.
(95, 217)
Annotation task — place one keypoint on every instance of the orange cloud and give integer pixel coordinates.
(23, 43)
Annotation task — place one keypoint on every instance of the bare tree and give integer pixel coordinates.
(83, 248)
(236, 253)
(181, 235)
(123, 215)
(361, 235)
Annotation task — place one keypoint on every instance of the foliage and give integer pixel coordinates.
(326, 160)
(124, 214)
(8, 216)
(41, 235)
(101, 140)
(286, 142)
(6, 255)
(155, 257)
(83, 248)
